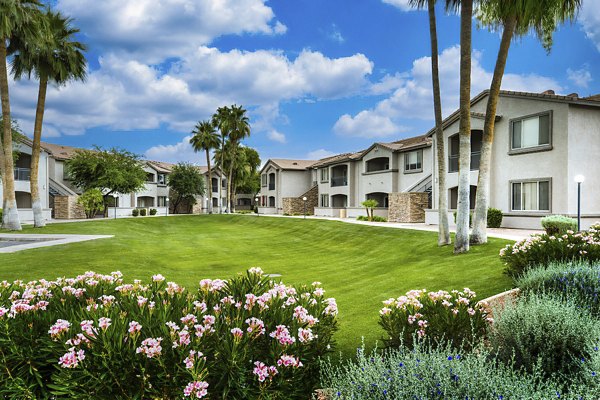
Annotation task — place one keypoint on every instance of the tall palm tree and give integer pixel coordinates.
(461, 243)
(221, 120)
(206, 138)
(239, 126)
(443, 229)
(57, 59)
(18, 18)
(516, 18)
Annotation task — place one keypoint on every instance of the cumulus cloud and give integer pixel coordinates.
(589, 17)
(155, 30)
(335, 34)
(580, 77)
(401, 4)
(320, 153)
(178, 152)
(276, 136)
(412, 97)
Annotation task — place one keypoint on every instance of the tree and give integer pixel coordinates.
(443, 229)
(18, 18)
(239, 128)
(516, 18)
(247, 173)
(18, 137)
(205, 138)
(220, 119)
(112, 171)
(461, 243)
(369, 205)
(92, 202)
(186, 182)
(57, 59)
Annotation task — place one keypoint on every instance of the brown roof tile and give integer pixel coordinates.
(297, 165)
(59, 151)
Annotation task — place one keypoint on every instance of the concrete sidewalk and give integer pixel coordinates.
(19, 242)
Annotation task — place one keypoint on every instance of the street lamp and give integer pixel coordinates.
(167, 204)
(256, 203)
(116, 197)
(304, 201)
(579, 179)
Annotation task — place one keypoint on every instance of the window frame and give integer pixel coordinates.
(416, 170)
(324, 196)
(531, 149)
(322, 170)
(530, 212)
(263, 180)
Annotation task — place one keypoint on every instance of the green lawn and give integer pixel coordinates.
(358, 265)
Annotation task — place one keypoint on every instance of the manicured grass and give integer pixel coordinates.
(358, 265)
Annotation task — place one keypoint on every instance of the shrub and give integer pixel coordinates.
(470, 218)
(97, 337)
(428, 372)
(369, 205)
(544, 249)
(245, 212)
(92, 202)
(494, 218)
(143, 212)
(558, 224)
(454, 317)
(0, 215)
(543, 331)
(375, 218)
(576, 282)
(135, 212)
(153, 211)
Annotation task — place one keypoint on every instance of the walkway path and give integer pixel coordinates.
(11, 243)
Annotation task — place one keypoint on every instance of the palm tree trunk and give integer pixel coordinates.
(443, 229)
(209, 208)
(221, 175)
(482, 201)
(10, 213)
(36, 204)
(461, 244)
(229, 179)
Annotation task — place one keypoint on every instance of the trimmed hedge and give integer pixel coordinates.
(558, 224)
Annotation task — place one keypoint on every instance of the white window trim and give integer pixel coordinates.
(538, 180)
(531, 149)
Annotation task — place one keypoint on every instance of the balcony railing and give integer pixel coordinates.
(271, 186)
(453, 161)
(215, 189)
(339, 181)
(22, 174)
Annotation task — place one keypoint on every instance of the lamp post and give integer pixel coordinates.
(256, 203)
(304, 201)
(579, 179)
(167, 204)
(116, 197)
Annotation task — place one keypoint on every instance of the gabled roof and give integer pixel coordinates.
(294, 165)
(338, 158)
(59, 151)
(161, 166)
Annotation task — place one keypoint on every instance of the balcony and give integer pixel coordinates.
(453, 161)
(271, 186)
(339, 181)
(22, 174)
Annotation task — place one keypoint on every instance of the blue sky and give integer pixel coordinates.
(318, 76)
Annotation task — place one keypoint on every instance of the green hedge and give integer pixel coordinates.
(494, 218)
(558, 224)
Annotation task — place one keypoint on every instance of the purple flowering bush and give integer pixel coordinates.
(454, 317)
(95, 336)
(543, 249)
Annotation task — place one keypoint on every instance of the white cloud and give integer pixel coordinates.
(401, 4)
(413, 96)
(320, 153)
(276, 136)
(589, 17)
(178, 152)
(580, 77)
(335, 34)
(155, 30)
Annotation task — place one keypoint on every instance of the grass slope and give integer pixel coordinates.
(358, 265)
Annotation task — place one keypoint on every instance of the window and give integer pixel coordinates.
(272, 181)
(223, 182)
(413, 161)
(531, 132)
(263, 180)
(150, 177)
(324, 200)
(325, 174)
(531, 195)
(162, 179)
(271, 201)
(162, 201)
(454, 148)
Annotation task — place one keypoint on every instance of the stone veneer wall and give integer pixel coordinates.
(407, 207)
(295, 205)
(66, 207)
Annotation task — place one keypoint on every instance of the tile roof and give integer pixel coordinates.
(59, 151)
(337, 159)
(161, 166)
(297, 165)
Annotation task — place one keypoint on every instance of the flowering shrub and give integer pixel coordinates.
(454, 317)
(543, 249)
(95, 336)
(431, 372)
(540, 331)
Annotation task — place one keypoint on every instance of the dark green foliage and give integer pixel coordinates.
(143, 212)
(375, 218)
(558, 224)
(153, 211)
(186, 182)
(92, 202)
(135, 212)
(494, 218)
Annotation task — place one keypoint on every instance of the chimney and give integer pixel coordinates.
(549, 91)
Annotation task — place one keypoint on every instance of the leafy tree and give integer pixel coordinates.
(370, 204)
(206, 138)
(516, 18)
(57, 59)
(92, 202)
(186, 182)
(18, 19)
(112, 171)
(247, 174)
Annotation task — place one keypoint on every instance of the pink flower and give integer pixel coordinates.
(289, 361)
(59, 328)
(305, 335)
(104, 323)
(331, 308)
(263, 372)
(200, 306)
(158, 278)
(282, 334)
(141, 301)
(190, 359)
(72, 358)
(237, 333)
(134, 327)
(196, 389)
(150, 347)
(189, 319)
(87, 327)
(255, 326)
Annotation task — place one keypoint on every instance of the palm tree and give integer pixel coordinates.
(517, 18)
(239, 126)
(443, 229)
(221, 120)
(461, 243)
(58, 59)
(206, 138)
(18, 18)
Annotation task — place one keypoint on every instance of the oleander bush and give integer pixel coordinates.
(442, 317)
(431, 372)
(143, 212)
(375, 218)
(95, 336)
(540, 331)
(575, 282)
(544, 249)
(494, 218)
(558, 224)
(135, 212)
